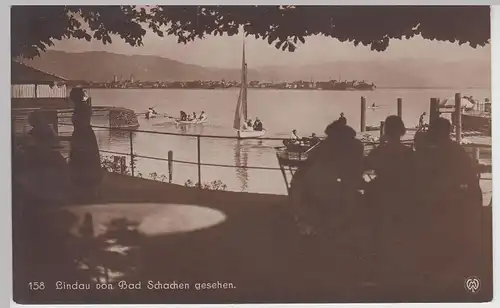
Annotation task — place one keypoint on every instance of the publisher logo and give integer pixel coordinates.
(472, 284)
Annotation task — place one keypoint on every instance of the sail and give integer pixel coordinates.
(241, 112)
(244, 99)
(238, 115)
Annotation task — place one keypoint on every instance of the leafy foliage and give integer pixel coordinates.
(34, 28)
(214, 185)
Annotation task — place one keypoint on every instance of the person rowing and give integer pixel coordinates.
(151, 113)
(183, 116)
(314, 140)
(421, 120)
(203, 116)
(295, 138)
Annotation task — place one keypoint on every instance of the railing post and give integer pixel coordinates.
(363, 114)
(475, 155)
(400, 107)
(199, 160)
(132, 164)
(458, 117)
(170, 165)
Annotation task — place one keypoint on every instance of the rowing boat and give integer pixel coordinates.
(195, 121)
(245, 134)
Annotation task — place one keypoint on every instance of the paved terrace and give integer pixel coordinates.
(191, 235)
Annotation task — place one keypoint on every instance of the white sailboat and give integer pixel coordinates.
(241, 114)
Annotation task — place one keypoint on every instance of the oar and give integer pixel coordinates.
(313, 147)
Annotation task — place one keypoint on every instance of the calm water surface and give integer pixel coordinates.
(281, 111)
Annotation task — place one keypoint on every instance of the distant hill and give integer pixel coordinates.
(102, 66)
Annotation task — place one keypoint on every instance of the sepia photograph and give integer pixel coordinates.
(235, 154)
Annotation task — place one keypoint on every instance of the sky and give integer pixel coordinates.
(225, 51)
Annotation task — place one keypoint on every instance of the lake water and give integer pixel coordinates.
(281, 111)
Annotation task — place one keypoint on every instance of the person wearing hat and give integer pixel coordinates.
(84, 158)
(257, 125)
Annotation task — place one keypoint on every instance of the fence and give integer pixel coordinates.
(170, 156)
(131, 153)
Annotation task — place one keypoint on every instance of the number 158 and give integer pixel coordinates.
(35, 286)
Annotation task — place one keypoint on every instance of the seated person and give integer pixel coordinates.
(314, 140)
(325, 187)
(449, 192)
(257, 126)
(183, 116)
(342, 119)
(444, 165)
(421, 120)
(203, 116)
(295, 137)
(392, 162)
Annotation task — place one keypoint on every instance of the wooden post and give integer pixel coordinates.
(123, 164)
(434, 110)
(382, 128)
(475, 157)
(458, 117)
(170, 165)
(117, 162)
(400, 107)
(363, 114)
(199, 161)
(132, 163)
(475, 154)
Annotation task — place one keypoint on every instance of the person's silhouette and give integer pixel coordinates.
(450, 202)
(84, 158)
(392, 162)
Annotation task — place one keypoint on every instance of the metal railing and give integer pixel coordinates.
(131, 153)
(170, 160)
(131, 131)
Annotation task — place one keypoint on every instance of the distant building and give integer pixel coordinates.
(115, 79)
(131, 78)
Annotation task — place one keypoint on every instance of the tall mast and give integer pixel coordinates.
(244, 84)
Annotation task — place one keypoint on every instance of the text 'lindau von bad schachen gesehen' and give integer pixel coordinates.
(148, 285)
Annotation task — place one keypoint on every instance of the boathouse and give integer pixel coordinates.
(34, 88)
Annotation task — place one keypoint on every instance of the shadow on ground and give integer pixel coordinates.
(252, 243)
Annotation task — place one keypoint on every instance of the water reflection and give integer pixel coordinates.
(241, 161)
(118, 136)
